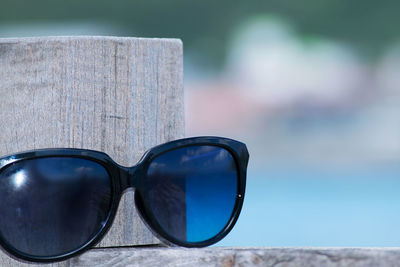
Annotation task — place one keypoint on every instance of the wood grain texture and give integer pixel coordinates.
(230, 257)
(117, 95)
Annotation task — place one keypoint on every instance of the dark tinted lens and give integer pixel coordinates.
(192, 191)
(52, 206)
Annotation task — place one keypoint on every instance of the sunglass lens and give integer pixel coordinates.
(53, 206)
(192, 191)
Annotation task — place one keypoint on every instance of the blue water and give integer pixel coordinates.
(308, 206)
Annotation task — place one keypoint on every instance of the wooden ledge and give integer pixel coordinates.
(227, 257)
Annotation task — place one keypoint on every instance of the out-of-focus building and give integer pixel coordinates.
(300, 100)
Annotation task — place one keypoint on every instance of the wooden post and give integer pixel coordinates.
(117, 95)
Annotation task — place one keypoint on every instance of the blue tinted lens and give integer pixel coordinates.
(192, 191)
(52, 206)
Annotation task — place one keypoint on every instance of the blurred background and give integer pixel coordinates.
(312, 87)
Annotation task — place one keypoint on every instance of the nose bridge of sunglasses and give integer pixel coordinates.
(130, 177)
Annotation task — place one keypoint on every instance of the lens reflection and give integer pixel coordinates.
(19, 179)
(52, 206)
(192, 191)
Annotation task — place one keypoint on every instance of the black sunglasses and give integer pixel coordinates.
(57, 203)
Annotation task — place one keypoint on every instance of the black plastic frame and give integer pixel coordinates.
(124, 178)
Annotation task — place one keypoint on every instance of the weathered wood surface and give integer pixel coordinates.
(229, 257)
(117, 95)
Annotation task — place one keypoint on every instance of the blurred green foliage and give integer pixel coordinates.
(368, 25)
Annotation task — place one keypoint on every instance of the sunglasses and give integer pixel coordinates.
(57, 203)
